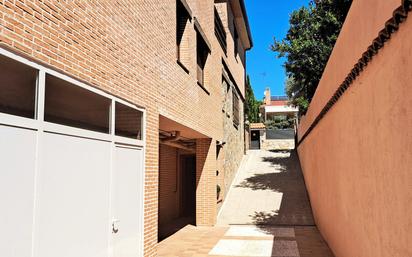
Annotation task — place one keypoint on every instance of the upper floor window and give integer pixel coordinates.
(236, 109)
(183, 17)
(18, 85)
(220, 31)
(202, 52)
(235, 40)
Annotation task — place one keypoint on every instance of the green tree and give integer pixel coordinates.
(251, 105)
(307, 46)
(279, 122)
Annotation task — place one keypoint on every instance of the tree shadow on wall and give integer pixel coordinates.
(287, 179)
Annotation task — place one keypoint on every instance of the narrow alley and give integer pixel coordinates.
(266, 213)
(189, 128)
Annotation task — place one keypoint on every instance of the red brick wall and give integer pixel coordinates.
(236, 64)
(128, 49)
(206, 182)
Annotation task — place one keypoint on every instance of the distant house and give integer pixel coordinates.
(276, 106)
(277, 132)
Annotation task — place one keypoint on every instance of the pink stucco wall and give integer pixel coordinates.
(357, 162)
(365, 19)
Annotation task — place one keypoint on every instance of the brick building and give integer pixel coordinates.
(93, 91)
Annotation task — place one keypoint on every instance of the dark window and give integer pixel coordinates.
(18, 84)
(71, 105)
(236, 110)
(235, 40)
(220, 31)
(182, 18)
(128, 122)
(202, 53)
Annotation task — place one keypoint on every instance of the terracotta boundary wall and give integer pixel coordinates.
(357, 159)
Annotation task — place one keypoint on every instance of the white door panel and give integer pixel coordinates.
(17, 160)
(127, 202)
(72, 213)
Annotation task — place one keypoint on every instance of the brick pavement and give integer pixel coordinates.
(237, 241)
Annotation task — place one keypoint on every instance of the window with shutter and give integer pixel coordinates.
(182, 20)
(236, 110)
(202, 53)
(220, 31)
(235, 40)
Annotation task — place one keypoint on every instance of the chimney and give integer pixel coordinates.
(267, 96)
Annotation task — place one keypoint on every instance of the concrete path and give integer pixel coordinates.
(268, 190)
(265, 214)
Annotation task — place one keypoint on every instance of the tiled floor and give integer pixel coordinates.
(276, 220)
(191, 241)
(239, 241)
(174, 226)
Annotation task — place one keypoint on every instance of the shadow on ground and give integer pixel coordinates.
(295, 209)
(166, 230)
(287, 179)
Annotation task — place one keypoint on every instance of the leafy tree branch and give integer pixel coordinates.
(307, 46)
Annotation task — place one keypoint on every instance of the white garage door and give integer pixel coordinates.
(72, 167)
(16, 190)
(126, 202)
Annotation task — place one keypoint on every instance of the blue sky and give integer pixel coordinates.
(268, 19)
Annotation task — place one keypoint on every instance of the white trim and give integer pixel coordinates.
(73, 131)
(20, 59)
(144, 122)
(129, 104)
(40, 98)
(280, 109)
(17, 121)
(41, 89)
(37, 166)
(127, 141)
(110, 238)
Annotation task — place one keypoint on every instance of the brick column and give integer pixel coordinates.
(151, 183)
(205, 182)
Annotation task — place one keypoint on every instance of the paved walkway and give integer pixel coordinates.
(266, 214)
(241, 241)
(268, 190)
